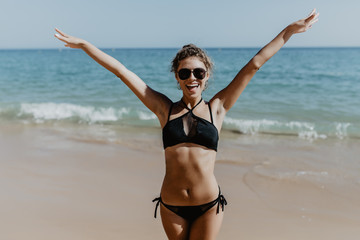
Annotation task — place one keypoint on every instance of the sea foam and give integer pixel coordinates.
(61, 111)
(304, 130)
(74, 113)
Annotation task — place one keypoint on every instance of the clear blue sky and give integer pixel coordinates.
(173, 23)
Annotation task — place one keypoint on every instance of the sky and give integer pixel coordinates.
(174, 23)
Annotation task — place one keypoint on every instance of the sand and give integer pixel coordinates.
(71, 183)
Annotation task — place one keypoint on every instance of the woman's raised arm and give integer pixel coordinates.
(227, 97)
(155, 101)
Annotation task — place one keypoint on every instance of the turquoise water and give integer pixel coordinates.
(309, 92)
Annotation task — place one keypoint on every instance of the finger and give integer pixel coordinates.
(58, 36)
(314, 21)
(317, 15)
(312, 12)
(61, 38)
(311, 16)
(308, 19)
(62, 33)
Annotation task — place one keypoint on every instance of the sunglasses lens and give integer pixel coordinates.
(184, 73)
(199, 73)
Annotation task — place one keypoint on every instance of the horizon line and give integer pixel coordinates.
(244, 47)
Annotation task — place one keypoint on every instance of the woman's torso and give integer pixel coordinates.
(189, 177)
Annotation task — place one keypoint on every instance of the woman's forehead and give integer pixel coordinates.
(191, 62)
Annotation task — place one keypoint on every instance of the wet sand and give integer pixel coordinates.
(74, 183)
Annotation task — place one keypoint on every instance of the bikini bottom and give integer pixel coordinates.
(191, 213)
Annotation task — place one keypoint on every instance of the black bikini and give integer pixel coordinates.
(201, 132)
(191, 213)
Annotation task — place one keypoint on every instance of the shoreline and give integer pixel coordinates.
(62, 182)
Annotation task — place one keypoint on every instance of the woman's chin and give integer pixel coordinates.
(193, 92)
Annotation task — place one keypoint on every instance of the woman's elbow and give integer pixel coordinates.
(120, 71)
(257, 62)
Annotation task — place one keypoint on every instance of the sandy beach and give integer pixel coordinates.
(71, 183)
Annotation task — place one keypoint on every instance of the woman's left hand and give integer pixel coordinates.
(304, 24)
(70, 41)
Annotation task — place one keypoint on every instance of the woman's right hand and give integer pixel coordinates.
(306, 23)
(70, 41)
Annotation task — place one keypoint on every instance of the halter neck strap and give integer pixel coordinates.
(191, 108)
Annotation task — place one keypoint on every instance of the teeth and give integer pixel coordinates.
(193, 85)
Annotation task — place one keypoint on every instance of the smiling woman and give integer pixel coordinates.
(191, 52)
(192, 75)
(190, 126)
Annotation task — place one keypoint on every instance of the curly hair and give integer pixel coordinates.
(191, 50)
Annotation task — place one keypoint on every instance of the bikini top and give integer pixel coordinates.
(189, 128)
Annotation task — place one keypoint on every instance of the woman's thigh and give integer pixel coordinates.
(176, 227)
(207, 226)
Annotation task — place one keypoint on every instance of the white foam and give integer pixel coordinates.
(304, 130)
(311, 135)
(341, 129)
(42, 112)
(59, 111)
(146, 116)
(249, 126)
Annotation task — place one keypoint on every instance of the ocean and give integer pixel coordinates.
(74, 140)
(311, 93)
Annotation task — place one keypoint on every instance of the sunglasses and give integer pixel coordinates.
(185, 73)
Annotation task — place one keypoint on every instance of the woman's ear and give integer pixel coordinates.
(207, 75)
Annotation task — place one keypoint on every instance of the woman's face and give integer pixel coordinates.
(192, 87)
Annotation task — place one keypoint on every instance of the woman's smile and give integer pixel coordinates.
(193, 87)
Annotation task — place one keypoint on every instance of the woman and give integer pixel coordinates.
(190, 196)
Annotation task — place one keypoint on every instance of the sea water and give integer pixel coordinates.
(312, 93)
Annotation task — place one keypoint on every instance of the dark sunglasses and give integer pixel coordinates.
(185, 73)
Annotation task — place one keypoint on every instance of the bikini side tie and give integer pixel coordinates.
(158, 199)
(221, 201)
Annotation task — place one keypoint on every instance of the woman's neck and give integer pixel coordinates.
(191, 101)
